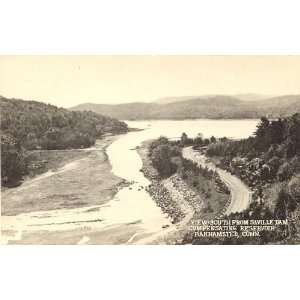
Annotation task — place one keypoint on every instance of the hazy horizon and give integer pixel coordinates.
(71, 80)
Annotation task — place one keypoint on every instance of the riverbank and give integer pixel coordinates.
(173, 196)
(73, 178)
(159, 193)
(191, 193)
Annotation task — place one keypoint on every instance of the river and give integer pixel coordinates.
(134, 201)
(131, 215)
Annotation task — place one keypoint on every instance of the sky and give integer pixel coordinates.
(70, 80)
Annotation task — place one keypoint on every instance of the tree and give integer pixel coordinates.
(274, 163)
(183, 139)
(265, 172)
(281, 205)
(262, 127)
(294, 188)
(293, 133)
(284, 171)
(275, 132)
(291, 148)
(206, 142)
(13, 163)
(261, 134)
(213, 139)
(199, 139)
(161, 158)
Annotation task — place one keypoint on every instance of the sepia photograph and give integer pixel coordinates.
(150, 150)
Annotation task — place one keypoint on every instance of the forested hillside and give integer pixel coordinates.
(29, 125)
(272, 154)
(213, 107)
(269, 162)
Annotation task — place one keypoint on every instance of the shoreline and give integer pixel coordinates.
(76, 178)
(156, 189)
(172, 196)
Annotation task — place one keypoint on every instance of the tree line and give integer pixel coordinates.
(271, 154)
(30, 125)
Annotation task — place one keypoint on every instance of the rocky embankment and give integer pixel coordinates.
(163, 199)
(180, 191)
(168, 194)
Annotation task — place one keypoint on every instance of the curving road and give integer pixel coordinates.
(240, 194)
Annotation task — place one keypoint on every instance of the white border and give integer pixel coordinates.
(149, 272)
(149, 27)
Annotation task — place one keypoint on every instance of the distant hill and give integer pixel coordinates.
(253, 97)
(214, 107)
(242, 97)
(174, 99)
